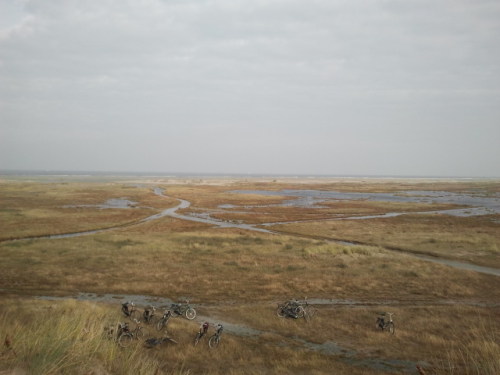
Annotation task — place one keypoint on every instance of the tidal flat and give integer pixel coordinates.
(235, 253)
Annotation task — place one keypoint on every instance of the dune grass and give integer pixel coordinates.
(66, 337)
(425, 333)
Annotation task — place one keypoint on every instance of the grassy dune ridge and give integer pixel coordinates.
(67, 338)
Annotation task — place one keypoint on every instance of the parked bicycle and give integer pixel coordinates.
(202, 332)
(296, 309)
(130, 311)
(185, 309)
(309, 310)
(153, 342)
(126, 335)
(289, 309)
(214, 340)
(163, 320)
(385, 324)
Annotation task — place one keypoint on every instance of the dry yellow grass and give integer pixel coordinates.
(474, 239)
(224, 264)
(33, 209)
(424, 332)
(221, 270)
(67, 338)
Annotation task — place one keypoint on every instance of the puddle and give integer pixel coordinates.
(110, 203)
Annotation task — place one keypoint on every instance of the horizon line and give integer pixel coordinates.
(62, 172)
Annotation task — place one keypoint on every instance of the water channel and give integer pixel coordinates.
(311, 197)
(476, 204)
(223, 224)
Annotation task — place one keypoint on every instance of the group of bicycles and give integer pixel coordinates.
(297, 309)
(124, 334)
(149, 316)
(214, 340)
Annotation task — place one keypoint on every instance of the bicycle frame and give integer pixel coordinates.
(384, 324)
(180, 308)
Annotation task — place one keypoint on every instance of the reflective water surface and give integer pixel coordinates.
(478, 204)
(172, 212)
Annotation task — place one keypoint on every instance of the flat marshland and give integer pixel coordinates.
(446, 318)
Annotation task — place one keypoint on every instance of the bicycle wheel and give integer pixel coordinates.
(124, 340)
(161, 323)
(300, 312)
(190, 313)
(280, 312)
(214, 341)
(391, 328)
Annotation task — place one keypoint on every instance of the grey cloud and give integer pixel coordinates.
(265, 75)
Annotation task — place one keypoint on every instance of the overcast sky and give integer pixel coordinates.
(344, 87)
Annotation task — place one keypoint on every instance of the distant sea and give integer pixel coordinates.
(61, 173)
